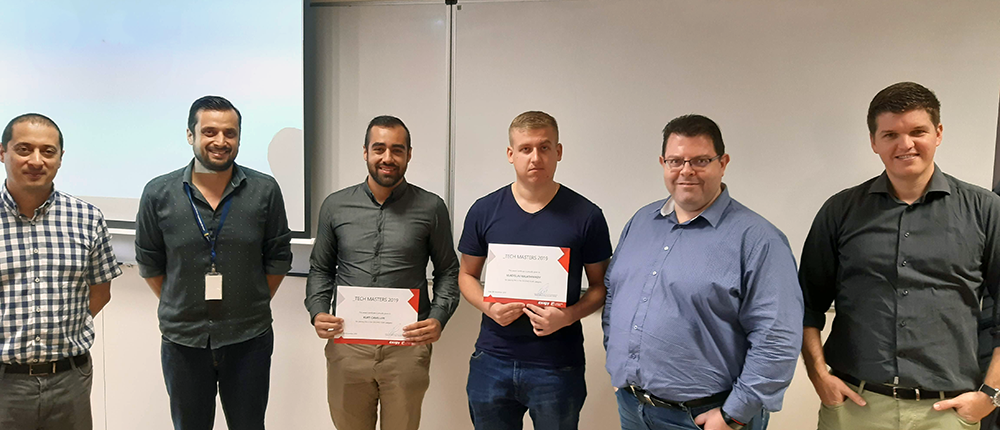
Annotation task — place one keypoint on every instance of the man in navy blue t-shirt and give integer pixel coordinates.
(529, 357)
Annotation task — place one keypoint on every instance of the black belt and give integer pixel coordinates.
(645, 398)
(49, 368)
(897, 392)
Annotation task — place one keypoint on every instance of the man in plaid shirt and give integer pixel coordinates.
(56, 266)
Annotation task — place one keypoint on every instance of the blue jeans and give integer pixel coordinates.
(240, 373)
(637, 416)
(500, 391)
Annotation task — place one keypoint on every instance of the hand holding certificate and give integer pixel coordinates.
(527, 274)
(376, 316)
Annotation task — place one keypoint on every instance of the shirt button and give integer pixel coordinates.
(34, 251)
(654, 273)
(902, 323)
(38, 338)
(906, 292)
(635, 327)
(666, 248)
(34, 360)
(903, 264)
(631, 356)
(907, 234)
(37, 280)
(645, 298)
(38, 309)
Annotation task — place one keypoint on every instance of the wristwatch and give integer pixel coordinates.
(736, 425)
(993, 393)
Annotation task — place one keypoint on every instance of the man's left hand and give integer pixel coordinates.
(972, 406)
(547, 320)
(423, 332)
(712, 420)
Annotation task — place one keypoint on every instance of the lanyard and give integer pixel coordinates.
(210, 238)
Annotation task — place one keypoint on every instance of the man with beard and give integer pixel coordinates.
(213, 243)
(380, 233)
(57, 270)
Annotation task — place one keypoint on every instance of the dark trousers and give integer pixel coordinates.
(240, 373)
(990, 422)
(57, 401)
(501, 391)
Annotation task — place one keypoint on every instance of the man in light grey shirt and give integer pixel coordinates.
(381, 233)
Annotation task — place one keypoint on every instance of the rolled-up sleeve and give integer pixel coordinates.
(771, 315)
(322, 264)
(442, 252)
(277, 249)
(150, 249)
(818, 271)
(991, 264)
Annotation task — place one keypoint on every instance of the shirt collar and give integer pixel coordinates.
(712, 214)
(393, 196)
(8, 200)
(11, 204)
(238, 176)
(938, 184)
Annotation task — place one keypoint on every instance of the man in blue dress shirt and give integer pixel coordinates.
(702, 320)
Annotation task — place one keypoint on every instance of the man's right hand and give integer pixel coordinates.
(833, 391)
(328, 326)
(505, 313)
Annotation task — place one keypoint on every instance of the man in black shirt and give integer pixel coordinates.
(906, 257)
(212, 242)
(380, 234)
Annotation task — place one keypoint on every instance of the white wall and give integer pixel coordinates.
(788, 81)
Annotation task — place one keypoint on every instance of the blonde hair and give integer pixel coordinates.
(533, 120)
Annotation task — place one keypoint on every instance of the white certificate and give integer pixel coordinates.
(375, 315)
(527, 274)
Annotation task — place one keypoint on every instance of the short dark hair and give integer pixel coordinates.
(694, 125)
(34, 118)
(215, 103)
(386, 121)
(903, 97)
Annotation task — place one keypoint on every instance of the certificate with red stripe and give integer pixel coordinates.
(526, 274)
(376, 315)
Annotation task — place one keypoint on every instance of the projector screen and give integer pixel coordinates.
(118, 77)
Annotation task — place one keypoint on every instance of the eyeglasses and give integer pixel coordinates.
(699, 163)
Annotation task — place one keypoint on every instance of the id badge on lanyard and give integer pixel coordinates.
(213, 279)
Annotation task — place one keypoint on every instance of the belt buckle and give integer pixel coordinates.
(641, 395)
(31, 369)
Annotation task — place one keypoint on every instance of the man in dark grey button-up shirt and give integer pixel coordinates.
(906, 257)
(215, 312)
(381, 233)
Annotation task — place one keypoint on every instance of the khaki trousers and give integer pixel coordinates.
(885, 413)
(359, 377)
